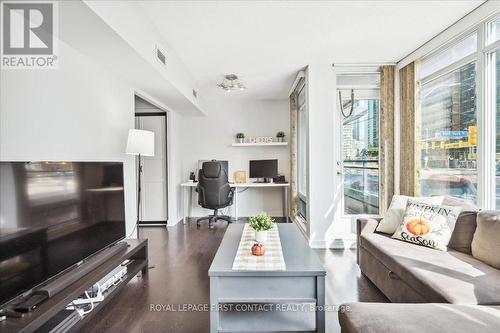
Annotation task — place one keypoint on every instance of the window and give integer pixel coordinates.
(449, 56)
(496, 71)
(492, 103)
(302, 150)
(459, 119)
(448, 138)
(493, 31)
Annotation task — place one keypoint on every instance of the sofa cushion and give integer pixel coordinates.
(461, 238)
(415, 318)
(486, 241)
(439, 276)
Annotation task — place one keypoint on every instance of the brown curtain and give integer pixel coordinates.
(409, 131)
(386, 135)
(293, 153)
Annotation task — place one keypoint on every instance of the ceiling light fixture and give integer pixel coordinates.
(231, 82)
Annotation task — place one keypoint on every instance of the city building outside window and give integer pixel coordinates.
(360, 150)
(448, 138)
(458, 119)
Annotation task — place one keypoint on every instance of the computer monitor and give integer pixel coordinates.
(263, 169)
(225, 165)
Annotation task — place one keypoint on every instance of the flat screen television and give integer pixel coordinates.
(53, 215)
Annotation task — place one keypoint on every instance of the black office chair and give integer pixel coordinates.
(214, 191)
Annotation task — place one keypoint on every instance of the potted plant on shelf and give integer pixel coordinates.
(281, 136)
(261, 224)
(240, 137)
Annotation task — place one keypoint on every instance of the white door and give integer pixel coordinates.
(154, 177)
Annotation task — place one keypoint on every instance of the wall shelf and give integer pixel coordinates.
(249, 144)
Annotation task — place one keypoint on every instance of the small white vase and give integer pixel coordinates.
(241, 140)
(260, 236)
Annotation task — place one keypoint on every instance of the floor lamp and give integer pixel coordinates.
(140, 143)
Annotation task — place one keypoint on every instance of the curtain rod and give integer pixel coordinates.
(363, 64)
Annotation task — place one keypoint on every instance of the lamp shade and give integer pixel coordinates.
(141, 142)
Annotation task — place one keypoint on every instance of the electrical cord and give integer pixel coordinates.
(342, 106)
(91, 303)
(133, 230)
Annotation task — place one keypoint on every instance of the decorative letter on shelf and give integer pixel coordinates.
(260, 139)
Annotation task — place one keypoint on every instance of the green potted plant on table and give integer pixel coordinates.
(281, 136)
(261, 224)
(240, 137)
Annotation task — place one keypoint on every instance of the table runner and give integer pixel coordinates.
(272, 260)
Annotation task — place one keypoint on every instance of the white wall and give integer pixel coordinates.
(78, 112)
(326, 226)
(129, 21)
(176, 174)
(211, 136)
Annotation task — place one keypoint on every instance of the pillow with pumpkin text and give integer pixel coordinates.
(394, 214)
(427, 224)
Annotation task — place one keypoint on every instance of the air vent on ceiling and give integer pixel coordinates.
(160, 55)
(195, 94)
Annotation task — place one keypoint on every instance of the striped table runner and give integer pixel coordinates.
(272, 260)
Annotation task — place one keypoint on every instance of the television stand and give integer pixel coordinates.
(136, 251)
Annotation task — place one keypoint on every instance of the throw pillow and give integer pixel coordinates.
(428, 225)
(486, 240)
(394, 214)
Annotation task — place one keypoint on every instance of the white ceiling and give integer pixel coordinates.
(267, 42)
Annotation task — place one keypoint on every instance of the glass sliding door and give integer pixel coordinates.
(360, 151)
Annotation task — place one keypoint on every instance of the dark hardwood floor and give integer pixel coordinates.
(179, 259)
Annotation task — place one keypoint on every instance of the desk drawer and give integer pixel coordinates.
(248, 287)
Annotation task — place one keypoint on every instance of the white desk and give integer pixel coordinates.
(188, 191)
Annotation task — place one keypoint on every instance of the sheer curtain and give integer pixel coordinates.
(293, 154)
(408, 130)
(386, 157)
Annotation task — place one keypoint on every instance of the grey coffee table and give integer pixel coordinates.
(286, 293)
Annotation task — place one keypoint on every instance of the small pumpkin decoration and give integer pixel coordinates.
(258, 249)
(418, 227)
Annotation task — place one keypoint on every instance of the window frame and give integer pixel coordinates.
(488, 96)
(485, 104)
(302, 88)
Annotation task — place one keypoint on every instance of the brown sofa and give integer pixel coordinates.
(408, 273)
(418, 318)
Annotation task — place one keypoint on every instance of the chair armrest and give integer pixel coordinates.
(365, 225)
